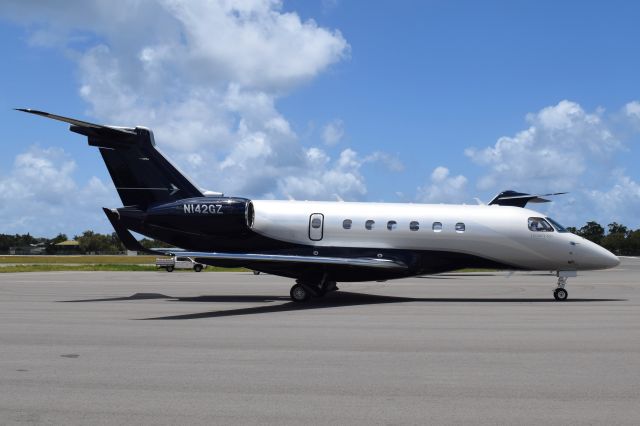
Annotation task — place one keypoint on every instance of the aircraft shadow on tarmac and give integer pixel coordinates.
(333, 300)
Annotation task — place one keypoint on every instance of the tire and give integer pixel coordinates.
(197, 267)
(170, 268)
(299, 294)
(256, 272)
(560, 294)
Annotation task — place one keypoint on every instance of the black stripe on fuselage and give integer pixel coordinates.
(419, 262)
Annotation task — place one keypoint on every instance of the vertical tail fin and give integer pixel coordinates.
(140, 173)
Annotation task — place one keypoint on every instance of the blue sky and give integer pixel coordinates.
(373, 101)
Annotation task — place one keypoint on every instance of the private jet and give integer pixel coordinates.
(322, 243)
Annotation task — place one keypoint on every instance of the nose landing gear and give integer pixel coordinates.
(560, 293)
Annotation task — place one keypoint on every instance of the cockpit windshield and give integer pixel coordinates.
(538, 224)
(556, 225)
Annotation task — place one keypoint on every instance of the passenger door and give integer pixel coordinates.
(316, 226)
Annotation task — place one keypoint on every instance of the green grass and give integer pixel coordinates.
(103, 260)
(104, 267)
(109, 263)
(57, 267)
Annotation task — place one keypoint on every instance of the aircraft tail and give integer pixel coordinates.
(141, 174)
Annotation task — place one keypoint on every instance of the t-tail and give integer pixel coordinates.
(159, 201)
(141, 174)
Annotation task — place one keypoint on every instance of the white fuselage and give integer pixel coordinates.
(498, 233)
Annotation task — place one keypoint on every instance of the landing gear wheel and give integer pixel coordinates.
(560, 294)
(197, 268)
(169, 268)
(299, 293)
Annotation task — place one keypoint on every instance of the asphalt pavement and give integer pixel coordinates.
(230, 348)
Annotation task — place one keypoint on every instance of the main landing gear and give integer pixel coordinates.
(560, 293)
(299, 293)
(303, 290)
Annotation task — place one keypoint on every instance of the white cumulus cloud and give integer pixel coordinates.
(631, 115)
(333, 132)
(566, 148)
(620, 201)
(560, 145)
(443, 188)
(632, 110)
(40, 195)
(206, 77)
(326, 178)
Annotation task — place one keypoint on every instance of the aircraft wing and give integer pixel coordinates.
(254, 258)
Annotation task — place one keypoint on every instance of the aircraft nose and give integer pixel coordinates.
(598, 257)
(608, 259)
(611, 260)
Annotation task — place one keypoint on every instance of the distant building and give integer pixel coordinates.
(30, 249)
(67, 247)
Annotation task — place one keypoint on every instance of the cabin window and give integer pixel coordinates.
(414, 226)
(346, 224)
(437, 227)
(391, 225)
(538, 224)
(316, 223)
(460, 227)
(369, 224)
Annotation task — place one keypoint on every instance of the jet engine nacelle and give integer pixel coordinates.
(203, 223)
(203, 215)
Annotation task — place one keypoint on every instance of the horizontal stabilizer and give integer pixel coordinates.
(520, 199)
(114, 131)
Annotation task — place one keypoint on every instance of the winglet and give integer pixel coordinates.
(520, 199)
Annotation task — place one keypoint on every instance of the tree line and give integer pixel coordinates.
(88, 242)
(616, 238)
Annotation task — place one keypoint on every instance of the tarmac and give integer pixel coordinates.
(230, 348)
